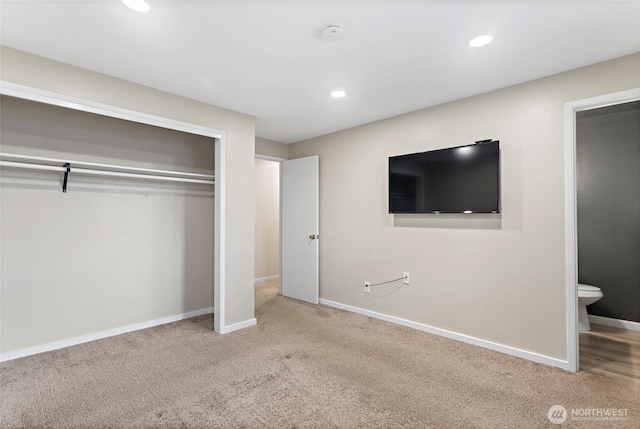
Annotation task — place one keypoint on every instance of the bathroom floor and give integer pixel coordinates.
(611, 351)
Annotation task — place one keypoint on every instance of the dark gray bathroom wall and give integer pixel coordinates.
(608, 201)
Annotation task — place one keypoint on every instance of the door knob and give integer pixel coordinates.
(312, 237)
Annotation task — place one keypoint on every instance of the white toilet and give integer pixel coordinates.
(586, 295)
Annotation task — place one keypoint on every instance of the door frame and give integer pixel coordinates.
(61, 100)
(571, 235)
(279, 161)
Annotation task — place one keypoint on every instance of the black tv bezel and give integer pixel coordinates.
(499, 208)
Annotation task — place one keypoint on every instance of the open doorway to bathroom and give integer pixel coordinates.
(607, 173)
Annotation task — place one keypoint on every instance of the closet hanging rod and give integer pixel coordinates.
(74, 170)
(144, 171)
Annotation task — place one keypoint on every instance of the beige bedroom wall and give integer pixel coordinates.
(267, 224)
(272, 148)
(498, 279)
(239, 129)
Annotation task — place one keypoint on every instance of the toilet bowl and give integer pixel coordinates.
(586, 295)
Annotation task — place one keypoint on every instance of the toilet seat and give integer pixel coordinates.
(587, 291)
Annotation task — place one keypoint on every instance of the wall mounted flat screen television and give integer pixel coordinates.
(463, 179)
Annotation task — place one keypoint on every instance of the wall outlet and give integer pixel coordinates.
(367, 287)
(407, 278)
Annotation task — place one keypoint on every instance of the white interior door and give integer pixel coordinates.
(299, 238)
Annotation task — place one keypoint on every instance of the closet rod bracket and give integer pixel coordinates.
(66, 176)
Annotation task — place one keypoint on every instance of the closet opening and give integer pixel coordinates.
(133, 242)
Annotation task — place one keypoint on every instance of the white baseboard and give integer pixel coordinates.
(616, 323)
(524, 354)
(100, 335)
(240, 325)
(266, 279)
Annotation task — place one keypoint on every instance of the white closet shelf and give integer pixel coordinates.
(11, 160)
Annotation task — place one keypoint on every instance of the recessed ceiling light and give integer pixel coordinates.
(480, 40)
(137, 5)
(338, 93)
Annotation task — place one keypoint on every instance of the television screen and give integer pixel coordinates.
(464, 179)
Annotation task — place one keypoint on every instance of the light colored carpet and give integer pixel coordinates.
(301, 366)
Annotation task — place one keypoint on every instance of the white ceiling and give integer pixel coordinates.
(267, 58)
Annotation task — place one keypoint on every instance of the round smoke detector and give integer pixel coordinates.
(332, 32)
